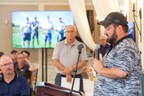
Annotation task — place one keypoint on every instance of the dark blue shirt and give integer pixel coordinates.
(23, 71)
(17, 87)
(102, 50)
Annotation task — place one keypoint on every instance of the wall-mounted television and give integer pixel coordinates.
(39, 29)
(131, 30)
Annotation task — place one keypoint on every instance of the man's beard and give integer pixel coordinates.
(113, 38)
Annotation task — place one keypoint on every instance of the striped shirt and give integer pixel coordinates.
(124, 56)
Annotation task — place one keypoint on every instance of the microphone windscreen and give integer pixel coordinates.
(80, 46)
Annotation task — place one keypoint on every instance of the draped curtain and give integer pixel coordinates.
(79, 12)
(102, 8)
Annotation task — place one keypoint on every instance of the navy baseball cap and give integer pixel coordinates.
(114, 18)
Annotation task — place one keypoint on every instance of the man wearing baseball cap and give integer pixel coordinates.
(119, 73)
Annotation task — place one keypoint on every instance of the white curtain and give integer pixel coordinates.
(79, 12)
(104, 7)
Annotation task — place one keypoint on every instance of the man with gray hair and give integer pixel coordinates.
(65, 57)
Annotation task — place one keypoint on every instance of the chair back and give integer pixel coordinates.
(33, 79)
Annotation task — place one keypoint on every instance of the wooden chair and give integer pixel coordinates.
(33, 80)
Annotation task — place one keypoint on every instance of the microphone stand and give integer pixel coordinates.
(75, 73)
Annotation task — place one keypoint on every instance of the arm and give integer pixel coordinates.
(58, 65)
(112, 73)
(73, 67)
(80, 65)
(64, 70)
(31, 66)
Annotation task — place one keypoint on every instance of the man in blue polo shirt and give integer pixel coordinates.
(12, 84)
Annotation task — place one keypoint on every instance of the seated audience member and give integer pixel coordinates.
(11, 83)
(1, 53)
(27, 55)
(14, 55)
(104, 48)
(22, 66)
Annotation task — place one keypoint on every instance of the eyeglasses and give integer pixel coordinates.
(72, 31)
(7, 64)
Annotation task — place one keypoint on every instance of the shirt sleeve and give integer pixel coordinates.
(56, 52)
(124, 60)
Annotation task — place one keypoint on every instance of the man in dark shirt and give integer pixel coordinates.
(12, 84)
(22, 67)
(104, 47)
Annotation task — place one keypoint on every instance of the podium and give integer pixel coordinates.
(47, 89)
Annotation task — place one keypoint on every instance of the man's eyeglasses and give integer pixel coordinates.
(70, 31)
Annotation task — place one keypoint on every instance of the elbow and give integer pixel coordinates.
(54, 62)
(122, 74)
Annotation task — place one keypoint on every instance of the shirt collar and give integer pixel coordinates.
(65, 42)
(15, 77)
(112, 46)
(107, 45)
(127, 36)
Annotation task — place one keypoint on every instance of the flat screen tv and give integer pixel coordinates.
(131, 30)
(39, 29)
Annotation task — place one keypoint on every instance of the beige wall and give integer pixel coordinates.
(5, 29)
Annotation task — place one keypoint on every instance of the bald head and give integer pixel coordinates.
(4, 59)
(6, 65)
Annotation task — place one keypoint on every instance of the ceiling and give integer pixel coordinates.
(47, 1)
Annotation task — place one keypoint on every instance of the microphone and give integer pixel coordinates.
(80, 46)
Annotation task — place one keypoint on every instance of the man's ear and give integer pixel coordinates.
(120, 27)
(0, 68)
